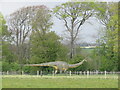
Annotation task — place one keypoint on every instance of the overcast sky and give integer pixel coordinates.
(89, 31)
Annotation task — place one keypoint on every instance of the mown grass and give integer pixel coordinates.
(0, 75)
(57, 82)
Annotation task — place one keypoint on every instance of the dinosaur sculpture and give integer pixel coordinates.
(59, 65)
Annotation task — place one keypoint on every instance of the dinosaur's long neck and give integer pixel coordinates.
(76, 65)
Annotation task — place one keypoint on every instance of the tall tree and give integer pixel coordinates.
(48, 47)
(5, 46)
(2, 23)
(5, 41)
(19, 25)
(74, 15)
(109, 39)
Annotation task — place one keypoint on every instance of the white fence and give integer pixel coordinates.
(80, 74)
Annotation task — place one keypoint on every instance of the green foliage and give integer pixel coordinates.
(10, 66)
(15, 66)
(3, 29)
(26, 69)
(106, 60)
(8, 58)
(47, 48)
(5, 66)
(7, 54)
(107, 52)
(72, 9)
(2, 22)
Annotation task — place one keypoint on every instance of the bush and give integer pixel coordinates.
(26, 69)
(15, 67)
(10, 66)
(6, 66)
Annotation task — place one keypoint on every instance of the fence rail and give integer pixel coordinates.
(80, 74)
(53, 72)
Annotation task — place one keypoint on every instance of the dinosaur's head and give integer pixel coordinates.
(85, 60)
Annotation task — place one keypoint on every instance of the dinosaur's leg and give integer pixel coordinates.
(65, 71)
(56, 71)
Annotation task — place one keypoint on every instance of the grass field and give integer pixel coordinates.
(87, 50)
(57, 82)
(0, 75)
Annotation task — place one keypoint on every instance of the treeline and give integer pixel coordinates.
(27, 37)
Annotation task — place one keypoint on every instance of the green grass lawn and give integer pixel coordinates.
(0, 76)
(57, 82)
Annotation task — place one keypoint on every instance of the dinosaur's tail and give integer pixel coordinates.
(36, 65)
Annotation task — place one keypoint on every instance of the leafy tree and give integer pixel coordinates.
(1, 26)
(47, 48)
(109, 39)
(5, 42)
(74, 15)
(41, 24)
(19, 25)
(7, 56)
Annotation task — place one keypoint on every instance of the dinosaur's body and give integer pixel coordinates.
(58, 65)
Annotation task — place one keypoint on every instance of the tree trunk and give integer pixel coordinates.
(72, 39)
(72, 49)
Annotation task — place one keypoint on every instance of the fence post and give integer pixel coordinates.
(53, 73)
(7, 72)
(41, 73)
(84, 72)
(77, 72)
(22, 72)
(67, 73)
(87, 74)
(105, 74)
(70, 73)
(80, 73)
(37, 73)
(90, 72)
(96, 72)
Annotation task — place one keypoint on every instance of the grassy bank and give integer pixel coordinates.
(44, 82)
